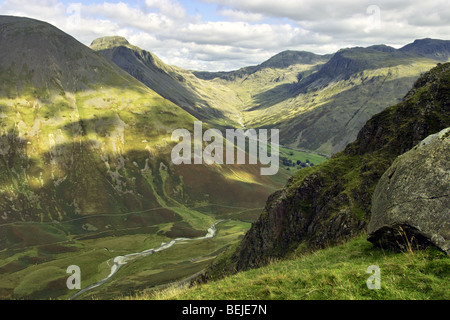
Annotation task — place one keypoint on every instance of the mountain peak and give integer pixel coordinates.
(287, 58)
(39, 55)
(429, 48)
(382, 48)
(108, 42)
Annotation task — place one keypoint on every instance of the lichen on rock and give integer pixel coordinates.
(411, 203)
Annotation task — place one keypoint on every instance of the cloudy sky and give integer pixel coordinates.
(229, 34)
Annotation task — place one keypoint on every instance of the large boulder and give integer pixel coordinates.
(411, 202)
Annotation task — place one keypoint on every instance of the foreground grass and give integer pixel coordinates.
(336, 273)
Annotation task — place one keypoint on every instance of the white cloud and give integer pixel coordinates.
(48, 9)
(239, 15)
(243, 32)
(240, 34)
(168, 8)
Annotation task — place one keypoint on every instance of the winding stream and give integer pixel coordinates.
(119, 261)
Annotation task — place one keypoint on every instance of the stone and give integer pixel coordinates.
(411, 202)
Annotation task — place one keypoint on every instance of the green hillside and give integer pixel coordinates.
(212, 103)
(85, 164)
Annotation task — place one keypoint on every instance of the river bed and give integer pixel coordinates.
(119, 261)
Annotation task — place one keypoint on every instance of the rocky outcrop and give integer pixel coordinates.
(411, 203)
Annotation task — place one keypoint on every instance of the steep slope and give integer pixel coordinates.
(85, 164)
(331, 202)
(65, 119)
(212, 104)
(335, 273)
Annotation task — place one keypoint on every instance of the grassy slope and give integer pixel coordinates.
(335, 273)
(210, 102)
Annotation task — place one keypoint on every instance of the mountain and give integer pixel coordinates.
(85, 155)
(281, 60)
(324, 110)
(173, 83)
(429, 48)
(331, 202)
(318, 102)
(329, 107)
(85, 164)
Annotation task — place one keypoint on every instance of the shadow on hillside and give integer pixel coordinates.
(337, 125)
(101, 125)
(273, 96)
(81, 178)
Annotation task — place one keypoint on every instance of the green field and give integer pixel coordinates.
(289, 159)
(39, 272)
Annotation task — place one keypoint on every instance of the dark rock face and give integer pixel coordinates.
(411, 203)
(303, 216)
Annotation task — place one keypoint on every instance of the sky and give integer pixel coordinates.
(230, 34)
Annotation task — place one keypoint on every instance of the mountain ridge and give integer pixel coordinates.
(173, 83)
(430, 48)
(319, 102)
(281, 60)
